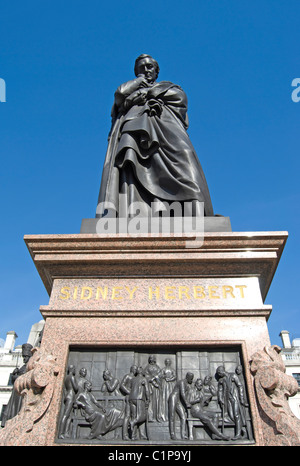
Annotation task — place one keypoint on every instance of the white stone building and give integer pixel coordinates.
(291, 355)
(10, 358)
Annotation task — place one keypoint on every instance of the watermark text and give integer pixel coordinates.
(296, 92)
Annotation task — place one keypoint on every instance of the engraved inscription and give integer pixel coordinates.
(154, 292)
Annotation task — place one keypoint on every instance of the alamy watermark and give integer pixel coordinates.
(165, 218)
(296, 92)
(2, 90)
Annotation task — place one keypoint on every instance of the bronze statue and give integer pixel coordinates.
(126, 387)
(178, 403)
(167, 379)
(80, 381)
(231, 399)
(69, 397)
(139, 398)
(152, 371)
(150, 159)
(15, 402)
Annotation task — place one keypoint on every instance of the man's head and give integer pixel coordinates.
(198, 384)
(147, 66)
(152, 359)
(221, 371)
(26, 352)
(71, 369)
(83, 372)
(87, 385)
(134, 369)
(189, 377)
(107, 375)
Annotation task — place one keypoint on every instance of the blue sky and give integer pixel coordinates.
(62, 62)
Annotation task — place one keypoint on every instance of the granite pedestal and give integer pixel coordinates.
(113, 297)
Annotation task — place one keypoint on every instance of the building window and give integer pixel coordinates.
(297, 377)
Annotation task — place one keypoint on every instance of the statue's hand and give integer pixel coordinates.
(136, 98)
(141, 97)
(142, 81)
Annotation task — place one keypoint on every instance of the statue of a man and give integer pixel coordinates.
(231, 398)
(178, 403)
(150, 159)
(15, 402)
(139, 398)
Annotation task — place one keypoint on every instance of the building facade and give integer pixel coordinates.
(291, 355)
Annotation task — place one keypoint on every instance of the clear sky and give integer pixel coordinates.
(62, 61)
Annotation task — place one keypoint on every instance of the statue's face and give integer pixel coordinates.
(221, 371)
(134, 370)
(146, 67)
(189, 378)
(88, 386)
(198, 384)
(106, 375)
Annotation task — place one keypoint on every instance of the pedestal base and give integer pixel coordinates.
(152, 302)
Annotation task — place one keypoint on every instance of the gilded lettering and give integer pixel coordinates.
(131, 292)
(241, 288)
(83, 290)
(115, 292)
(211, 292)
(155, 292)
(75, 292)
(199, 292)
(184, 291)
(65, 292)
(168, 292)
(102, 292)
(227, 290)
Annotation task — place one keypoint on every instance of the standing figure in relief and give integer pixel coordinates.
(167, 377)
(152, 372)
(139, 398)
(231, 398)
(179, 403)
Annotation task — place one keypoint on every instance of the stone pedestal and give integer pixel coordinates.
(113, 299)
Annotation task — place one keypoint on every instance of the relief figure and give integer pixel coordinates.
(167, 377)
(102, 420)
(139, 398)
(199, 401)
(69, 397)
(231, 398)
(178, 404)
(126, 387)
(110, 385)
(152, 372)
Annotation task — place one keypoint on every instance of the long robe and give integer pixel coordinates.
(150, 156)
(101, 421)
